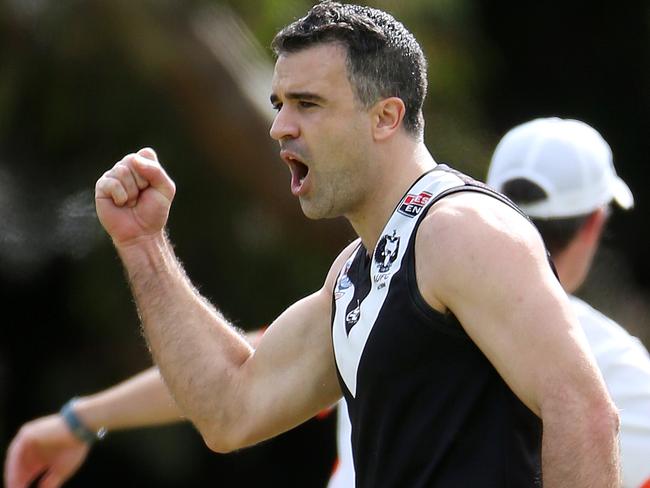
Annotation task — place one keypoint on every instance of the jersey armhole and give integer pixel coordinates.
(449, 324)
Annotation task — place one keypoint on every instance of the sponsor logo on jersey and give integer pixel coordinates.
(353, 317)
(386, 252)
(412, 205)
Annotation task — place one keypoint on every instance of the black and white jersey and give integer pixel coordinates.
(426, 406)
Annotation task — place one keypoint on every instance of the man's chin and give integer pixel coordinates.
(314, 212)
(310, 212)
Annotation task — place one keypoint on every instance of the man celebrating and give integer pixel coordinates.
(442, 325)
(559, 171)
(564, 165)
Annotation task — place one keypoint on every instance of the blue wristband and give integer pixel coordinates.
(76, 426)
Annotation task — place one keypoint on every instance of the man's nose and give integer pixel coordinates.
(284, 125)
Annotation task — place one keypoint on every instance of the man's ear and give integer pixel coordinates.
(388, 115)
(593, 227)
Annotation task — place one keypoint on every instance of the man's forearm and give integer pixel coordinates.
(142, 400)
(196, 350)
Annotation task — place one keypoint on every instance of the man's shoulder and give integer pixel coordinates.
(348, 251)
(468, 216)
(469, 239)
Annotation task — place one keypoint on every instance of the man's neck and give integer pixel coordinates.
(397, 175)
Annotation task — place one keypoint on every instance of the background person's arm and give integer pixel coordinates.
(46, 444)
(141, 401)
(486, 264)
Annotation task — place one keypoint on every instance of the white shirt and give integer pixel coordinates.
(625, 365)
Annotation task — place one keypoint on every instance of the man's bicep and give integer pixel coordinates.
(502, 289)
(526, 331)
(291, 375)
(299, 341)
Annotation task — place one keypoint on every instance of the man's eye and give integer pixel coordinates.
(304, 104)
(277, 106)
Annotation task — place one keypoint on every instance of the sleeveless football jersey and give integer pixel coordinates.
(426, 406)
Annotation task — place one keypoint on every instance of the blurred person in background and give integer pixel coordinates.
(354, 143)
(561, 173)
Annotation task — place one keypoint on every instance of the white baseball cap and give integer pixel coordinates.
(568, 159)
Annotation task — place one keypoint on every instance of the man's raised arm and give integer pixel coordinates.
(233, 396)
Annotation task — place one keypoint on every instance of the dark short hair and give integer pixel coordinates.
(383, 57)
(556, 232)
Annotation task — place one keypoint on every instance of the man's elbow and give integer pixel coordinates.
(220, 445)
(226, 437)
(222, 441)
(604, 419)
(592, 416)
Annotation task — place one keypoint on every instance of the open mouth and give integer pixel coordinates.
(299, 172)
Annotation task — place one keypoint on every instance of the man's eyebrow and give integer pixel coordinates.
(312, 97)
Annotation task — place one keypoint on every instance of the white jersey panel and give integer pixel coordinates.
(386, 261)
